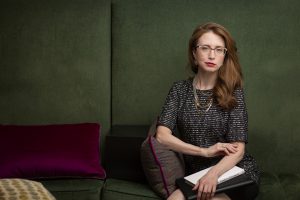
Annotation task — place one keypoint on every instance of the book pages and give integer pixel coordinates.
(233, 172)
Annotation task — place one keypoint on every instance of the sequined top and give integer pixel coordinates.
(206, 128)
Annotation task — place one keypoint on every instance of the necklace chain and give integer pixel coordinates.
(198, 105)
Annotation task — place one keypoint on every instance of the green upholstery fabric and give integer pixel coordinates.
(58, 66)
(291, 185)
(115, 189)
(75, 189)
(55, 68)
(275, 187)
(270, 187)
(55, 62)
(282, 186)
(150, 52)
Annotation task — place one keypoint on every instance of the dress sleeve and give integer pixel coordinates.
(238, 120)
(168, 116)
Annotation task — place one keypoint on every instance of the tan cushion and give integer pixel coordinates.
(161, 165)
(21, 189)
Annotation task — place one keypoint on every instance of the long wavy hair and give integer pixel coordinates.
(230, 74)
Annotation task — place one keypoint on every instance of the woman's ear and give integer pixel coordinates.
(194, 54)
(194, 57)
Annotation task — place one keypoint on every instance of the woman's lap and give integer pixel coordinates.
(247, 192)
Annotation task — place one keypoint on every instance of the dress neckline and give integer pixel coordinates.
(198, 90)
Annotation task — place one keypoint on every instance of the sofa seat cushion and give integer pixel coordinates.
(116, 189)
(291, 185)
(279, 186)
(75, 189)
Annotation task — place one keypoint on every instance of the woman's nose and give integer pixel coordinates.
(211, 54)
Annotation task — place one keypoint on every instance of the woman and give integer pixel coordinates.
(209, 111)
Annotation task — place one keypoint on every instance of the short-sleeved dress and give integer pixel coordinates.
(205, 129)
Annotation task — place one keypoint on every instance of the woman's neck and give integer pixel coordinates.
(205, 81)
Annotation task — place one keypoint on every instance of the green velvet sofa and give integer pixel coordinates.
(113, 62)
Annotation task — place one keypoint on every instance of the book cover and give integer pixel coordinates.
(233, 179)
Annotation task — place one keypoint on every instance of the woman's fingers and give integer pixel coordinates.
(226, 151)
(212, 194)
(229, 148)
(200, 191)
(222, 147)
(196, 186)
(206, 188)
(207, 192)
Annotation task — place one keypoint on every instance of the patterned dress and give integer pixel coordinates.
(206, 128)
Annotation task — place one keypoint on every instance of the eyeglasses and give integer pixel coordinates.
(205, 49)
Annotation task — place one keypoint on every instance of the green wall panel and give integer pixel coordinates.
(150, 52)
(55, 62)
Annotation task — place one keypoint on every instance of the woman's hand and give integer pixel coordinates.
(206, 186)
(221, 149)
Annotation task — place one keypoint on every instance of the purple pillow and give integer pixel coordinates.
(50, 151)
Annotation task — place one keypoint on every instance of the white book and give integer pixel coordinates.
(233, 172)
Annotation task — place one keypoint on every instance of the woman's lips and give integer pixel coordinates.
(210, 64)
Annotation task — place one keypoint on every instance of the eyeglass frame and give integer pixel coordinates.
(211, 49)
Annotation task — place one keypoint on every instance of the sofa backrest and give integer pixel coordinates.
(113, 62)
(149, 45)
(55, 62)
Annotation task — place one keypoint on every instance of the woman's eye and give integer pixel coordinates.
(219, 50)
(204, 48)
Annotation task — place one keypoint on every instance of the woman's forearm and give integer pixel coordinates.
(165, 137)
(229, 161)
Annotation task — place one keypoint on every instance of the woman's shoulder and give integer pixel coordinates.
(182, 84)
(181, 88)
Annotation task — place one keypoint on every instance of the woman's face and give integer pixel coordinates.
(210, 52)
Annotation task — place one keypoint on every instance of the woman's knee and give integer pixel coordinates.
(176, 195)
(221, 196)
